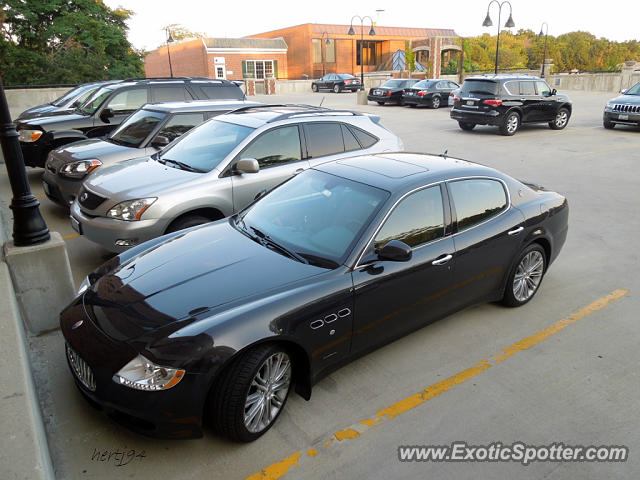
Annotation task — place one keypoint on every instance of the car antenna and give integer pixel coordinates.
(321, 102)
(444, 155)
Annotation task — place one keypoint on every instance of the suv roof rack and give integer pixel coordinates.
(301, 110)
(138, 79)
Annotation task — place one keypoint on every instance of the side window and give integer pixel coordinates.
(275, 147)
(169, 94)
(476, 200)
(350, 142)
(417, 219)
(323, 139)
(543, 88)
(365, 139)
(527, 88)
(223, 92)
(128, 101)
(453, 85)
(180, 124)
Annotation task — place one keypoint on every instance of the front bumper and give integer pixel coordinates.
(173, 413)
(106, 231)
(491, 117)
(622, 118)
(35, 153)
(63, 191)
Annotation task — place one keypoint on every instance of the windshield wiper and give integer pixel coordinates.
(320, 261)
(267, 241)
(181, 165)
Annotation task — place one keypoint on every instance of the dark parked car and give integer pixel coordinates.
(70, 100)
(143, 133)
(107, 108)
(224, 320)
(508, 101)
(623, 110)
(336, 82)
(433, 93)
(390, 91)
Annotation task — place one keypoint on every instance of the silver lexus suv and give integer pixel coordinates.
(218, 168)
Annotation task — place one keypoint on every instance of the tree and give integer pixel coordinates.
(65, 41)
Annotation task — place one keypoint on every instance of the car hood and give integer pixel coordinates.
(186, 276)
(44, 119)
(39, 110)
(137, 178)
(95, 148)
(626, 99)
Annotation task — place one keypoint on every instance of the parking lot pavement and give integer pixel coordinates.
(577, 384)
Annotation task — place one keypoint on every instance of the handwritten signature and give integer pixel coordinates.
(120, 457)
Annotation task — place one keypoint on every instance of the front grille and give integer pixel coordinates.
(80, 369)
(89, 200)
(619, 107)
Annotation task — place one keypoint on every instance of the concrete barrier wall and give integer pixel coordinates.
(21, 99)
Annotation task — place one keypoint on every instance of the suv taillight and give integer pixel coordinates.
(388, 93)
(492, 103)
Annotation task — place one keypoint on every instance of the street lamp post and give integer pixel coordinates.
(544, 55)
(29, 228)
(372, 32)
(323, 49)
(487, 23)
(169, 40)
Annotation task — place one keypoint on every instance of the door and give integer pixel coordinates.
(394, 298)
(489, 234)
(532, 107)
(548, 103)
(122, 104)
(279, 155)
(221, 71)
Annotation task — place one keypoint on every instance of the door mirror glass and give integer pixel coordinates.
(395, 251)
(160, 141)
(553, 92)
(106, 114)
(623, 91)
(247, 165)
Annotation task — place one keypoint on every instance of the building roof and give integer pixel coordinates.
(253, 43)
(404, 32)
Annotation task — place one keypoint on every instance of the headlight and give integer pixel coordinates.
(84, 286)
(79, 169)
(142, 374)
(130, 210)
(29, 136)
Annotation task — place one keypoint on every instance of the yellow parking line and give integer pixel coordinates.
(279, 469)
(42, 195)
(73, 235)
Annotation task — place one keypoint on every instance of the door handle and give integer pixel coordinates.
(299, 170)
(442, 260)
(516, 231)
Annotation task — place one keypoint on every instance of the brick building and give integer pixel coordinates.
(309, 53)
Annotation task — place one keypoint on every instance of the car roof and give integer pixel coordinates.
(255, 116)
(197, 105)
(401, 171)
(503, 76)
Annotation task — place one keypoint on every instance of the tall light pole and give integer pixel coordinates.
(372, 32)
(487, 23)
(544, 55)
(169, 40)
(323, 48)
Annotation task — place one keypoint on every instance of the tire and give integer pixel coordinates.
(561, 120)
(337, 88)
(511, 124)
(186, 222)
(467, 126)
(435, 102)
(608, 125)
(314, 87)
(526, 276)
(380, 103)
(237, 399)
(412, 105)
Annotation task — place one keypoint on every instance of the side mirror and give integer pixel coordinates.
(395, 251)
(623, 91)
(553, 92)
(106, 114)
(247, 165)
(160, 141)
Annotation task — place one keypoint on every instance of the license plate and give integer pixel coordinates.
(377, 92)
(75, 224)
(470, 102)
(45, 186)
(623, 117)
(410, 93)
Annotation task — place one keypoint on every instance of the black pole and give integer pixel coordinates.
(544, 55)
(169, 38)
(29, 228)
(361, 57)
(498, 41)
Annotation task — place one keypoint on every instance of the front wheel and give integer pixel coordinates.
(526, 276)
(314, 87)
(337, 89)
(435, 102)
(467, 126)
(250, 395)
(561, 120)
(186, 222)
(511, 124)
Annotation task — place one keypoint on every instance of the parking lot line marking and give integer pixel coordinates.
(279, 469)
(42, 195)
(73, 235)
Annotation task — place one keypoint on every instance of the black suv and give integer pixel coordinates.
(507, 101)
(108, 107)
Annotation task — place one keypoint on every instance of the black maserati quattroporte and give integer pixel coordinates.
(223, 321)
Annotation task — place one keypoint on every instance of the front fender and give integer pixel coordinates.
(67, 136)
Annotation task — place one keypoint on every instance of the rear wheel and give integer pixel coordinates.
(380, 103)
(186, 222)
(435, 102)
(246, 401)
(510, 124)
(337, 88)
(526, 276)
(314, 87)
(607, 124)
(467, 126)
(561, 120)
(412, 105)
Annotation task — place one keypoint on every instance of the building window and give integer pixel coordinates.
(371, 52)
(329, 50)
(260, 68)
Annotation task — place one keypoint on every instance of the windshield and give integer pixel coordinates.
(345, 76)
(204, 147)
(483, 87)
(316, 215)
(95, 100)
(423, 84)
(70, 95)
(393, 83)
(635, 90)
(136, 128)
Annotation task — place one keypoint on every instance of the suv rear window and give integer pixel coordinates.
(482, 87)
(231, 92)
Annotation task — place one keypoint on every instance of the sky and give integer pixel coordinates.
(617, 20)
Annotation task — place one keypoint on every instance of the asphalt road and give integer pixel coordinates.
(561, 369)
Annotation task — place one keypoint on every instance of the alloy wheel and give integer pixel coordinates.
(528, 275)
(561, 119)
